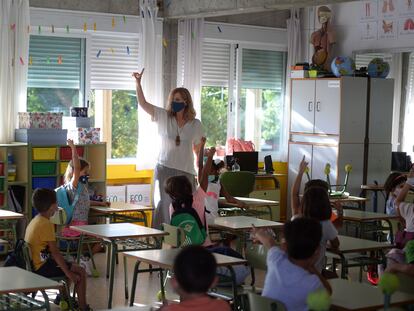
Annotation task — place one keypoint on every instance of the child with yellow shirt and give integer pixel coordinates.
(47, 260)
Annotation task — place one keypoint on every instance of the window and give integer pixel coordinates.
(55, 74)
(260, 77)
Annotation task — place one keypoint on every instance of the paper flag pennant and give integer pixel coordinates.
(219, 29)
(124, 17)
(94, 26)
(164, 42)
(98, 54)
(30, 60)
(48, 60)
(113, 22)
(39, 29)
(21, 60)
(85, 27)
(53, 29)
(59, 61)
(13, 27)
(67, 28)
(128, 50)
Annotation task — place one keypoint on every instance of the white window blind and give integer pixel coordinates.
(55, 62)
(216, 64)
(263, 69)
(113, 59)
(363, 59)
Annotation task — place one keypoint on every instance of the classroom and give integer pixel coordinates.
(200, 154)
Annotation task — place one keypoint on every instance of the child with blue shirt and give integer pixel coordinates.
(291, 273)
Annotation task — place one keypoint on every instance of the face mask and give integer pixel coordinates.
(212, 178)
(177, 106)
(84, 179)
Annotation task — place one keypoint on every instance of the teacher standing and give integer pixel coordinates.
(180, 134)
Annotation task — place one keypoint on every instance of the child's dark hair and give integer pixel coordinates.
(195, 269)
(315, 203)
(180, 190)
(393, 180)
(69, 169)
(317, 183)
(217, 166)
(303, 236)
(42, 199)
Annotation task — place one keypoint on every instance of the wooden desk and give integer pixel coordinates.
(251, 203)
(113, 234)
(239, 225)
(9, 215)
(14, 280)
(117, 210)
(363, 218)
(347, 295)
(350, 199)
(375, 189)
(164, 259)
(348, 245)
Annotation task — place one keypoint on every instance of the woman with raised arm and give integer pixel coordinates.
(180, 134)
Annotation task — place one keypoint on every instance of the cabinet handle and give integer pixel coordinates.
(310, 106)
(318, 106)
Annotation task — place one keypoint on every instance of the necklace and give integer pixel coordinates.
(177, 138)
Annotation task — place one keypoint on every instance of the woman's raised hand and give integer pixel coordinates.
(138, 75)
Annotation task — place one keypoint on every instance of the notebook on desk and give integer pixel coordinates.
(248, 160)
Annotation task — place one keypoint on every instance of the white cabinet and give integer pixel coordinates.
(303, 103)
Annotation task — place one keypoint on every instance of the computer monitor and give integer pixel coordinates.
(248, 160)
(400, 161)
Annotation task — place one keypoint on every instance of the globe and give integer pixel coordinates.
(378, 68)
(343, 66)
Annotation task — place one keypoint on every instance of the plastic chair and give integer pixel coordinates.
(256, 255)
(238, 184)
(175, 237)
(261, 303)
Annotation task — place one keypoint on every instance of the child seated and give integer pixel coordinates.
(194, 273)
(406, 212)
(291, 272)
(47, 260)
(403, 263)
(392, 187)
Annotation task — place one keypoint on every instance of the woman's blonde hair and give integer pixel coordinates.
(189, 112)
(69, 169)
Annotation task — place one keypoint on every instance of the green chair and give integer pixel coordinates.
(238, 184)
(256, 255)
(261, 303)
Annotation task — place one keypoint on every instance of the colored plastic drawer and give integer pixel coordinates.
(2, 183)
(44, 153)
(63, 166)
(1, 199)
(44, 168)
(44, 182)
(66, 153)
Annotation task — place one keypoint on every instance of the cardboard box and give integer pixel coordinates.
(299, 74)
(85, 135)
(72, 123)
(116, 193)
(40, 120)
(41, 137)
(139, 194)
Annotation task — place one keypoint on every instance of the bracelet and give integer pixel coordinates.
(410, 181)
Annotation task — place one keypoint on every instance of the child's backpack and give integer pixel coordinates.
(17, 257)
(188, 220)
(63, 201)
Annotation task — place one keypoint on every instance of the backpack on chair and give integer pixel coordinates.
(17, 256)
(63, 201)
(188, 220)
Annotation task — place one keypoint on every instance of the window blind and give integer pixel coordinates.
(362, 60)
(113, 59)
(263, 69)
(55, 62)
(216, 64)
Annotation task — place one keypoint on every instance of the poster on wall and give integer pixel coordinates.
(405, 7)
(406, 26)
(369, 9)
(387, 29)
(387, 9)
(368, 30)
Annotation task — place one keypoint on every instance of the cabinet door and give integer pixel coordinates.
(327, 106)
(296, 153)
(320, 156)
(303, 104)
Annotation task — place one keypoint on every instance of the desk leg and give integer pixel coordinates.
(108, 259)
(144, 216)
(344, 266)
(125, 274)
(162, 286)
(114, 249)
(80, 244)
(134, 283)
(391, 231)
(234, 288)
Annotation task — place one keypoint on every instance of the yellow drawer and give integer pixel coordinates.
(44, 153)
(63, 166)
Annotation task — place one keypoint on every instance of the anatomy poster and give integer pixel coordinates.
(387, 29)
(369, 9)
(368, 30)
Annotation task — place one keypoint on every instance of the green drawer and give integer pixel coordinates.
(2, 183)
(44, 168)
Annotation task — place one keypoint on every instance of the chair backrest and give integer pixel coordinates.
(59, 218)
(27, 257)
(175, 237)
(238, 184)
(256, 256)
(261, 303)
